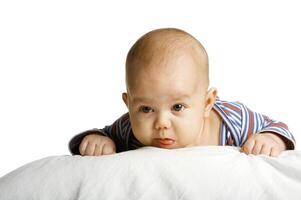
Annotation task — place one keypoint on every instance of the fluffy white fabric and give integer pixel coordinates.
(213, 172)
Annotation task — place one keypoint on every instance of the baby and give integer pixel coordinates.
(170, 105)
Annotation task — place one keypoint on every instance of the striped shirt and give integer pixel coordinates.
(238, 124)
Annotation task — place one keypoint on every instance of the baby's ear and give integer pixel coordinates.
(210, 101)
(125, 98)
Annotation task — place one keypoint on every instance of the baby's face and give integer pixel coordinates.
(166, 103)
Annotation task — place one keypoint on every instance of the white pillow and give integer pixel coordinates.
(212, 172)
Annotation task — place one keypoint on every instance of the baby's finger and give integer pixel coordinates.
(90, 149)
(266, 150)
(82, 147)
(108, 149)
(248, 146)
(257, 148)
(275, 152)
(98, 150)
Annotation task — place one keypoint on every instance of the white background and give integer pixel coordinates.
(62, 63)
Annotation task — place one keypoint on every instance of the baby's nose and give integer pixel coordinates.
(162, 122)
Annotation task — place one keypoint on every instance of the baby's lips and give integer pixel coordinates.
(166, 141)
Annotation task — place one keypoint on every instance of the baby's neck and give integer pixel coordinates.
(211, 130)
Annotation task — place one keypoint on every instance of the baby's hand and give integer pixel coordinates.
(96, 145)
(269, 144)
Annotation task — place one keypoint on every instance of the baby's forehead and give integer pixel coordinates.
(157, 83)
(168, 72)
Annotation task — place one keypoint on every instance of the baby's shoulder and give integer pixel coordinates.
(232, 105)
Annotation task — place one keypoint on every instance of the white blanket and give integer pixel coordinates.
(213, 172)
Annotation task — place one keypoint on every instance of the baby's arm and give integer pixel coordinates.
(274, 136)
(108, 140)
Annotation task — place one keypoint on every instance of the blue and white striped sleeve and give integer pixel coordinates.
(254, 122)
(242, 123)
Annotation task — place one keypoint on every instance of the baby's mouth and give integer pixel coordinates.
(165, 142)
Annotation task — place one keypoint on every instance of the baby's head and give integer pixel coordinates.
(167, 95)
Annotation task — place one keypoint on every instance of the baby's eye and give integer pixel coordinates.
(178, 107)
(145, 109)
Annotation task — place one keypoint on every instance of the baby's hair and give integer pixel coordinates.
(159, 44)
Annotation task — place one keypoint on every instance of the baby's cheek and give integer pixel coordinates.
(143, 133)
(187, 132)
(183, 132)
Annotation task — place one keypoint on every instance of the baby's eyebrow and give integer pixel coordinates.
(141, 99)
(145, 99)
(137, 100)
(181, 97)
